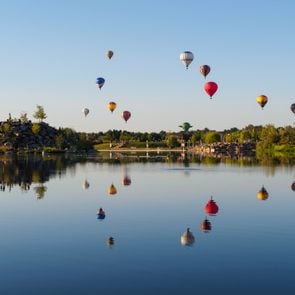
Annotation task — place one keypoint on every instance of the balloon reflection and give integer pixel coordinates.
(211, 207)
(187, 238)
(126, 180)
(110, 242)
(205, 226)
(86, 184)
(101, 214)
(293, 186)
(112, 190)
(262, 194)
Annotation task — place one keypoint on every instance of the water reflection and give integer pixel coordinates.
(211, 207)
(40, 191)
(262, 194)
(110, 242)
(293, 186)
(112, 190)
(101, 214)
(86, 184)
(187, 238)
(206, 226)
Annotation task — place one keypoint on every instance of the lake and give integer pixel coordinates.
(241, 237)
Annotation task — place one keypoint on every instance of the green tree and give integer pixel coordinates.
(36, 128)
(171, 141)
(211, 137)
(24, 118)
(40, 114)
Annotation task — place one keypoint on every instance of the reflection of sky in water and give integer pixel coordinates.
(56, 245)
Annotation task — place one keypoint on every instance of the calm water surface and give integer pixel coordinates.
(53, 243)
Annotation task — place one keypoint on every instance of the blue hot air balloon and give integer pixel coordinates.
(100, 81)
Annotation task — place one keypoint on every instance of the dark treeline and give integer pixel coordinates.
(23, 135)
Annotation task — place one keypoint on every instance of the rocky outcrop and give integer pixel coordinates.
(21, 135)
(231, 149)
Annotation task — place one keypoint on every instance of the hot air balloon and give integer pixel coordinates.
(262, 100)
(262, 194)
(101, 214)
(112, 106)
(187, 238)
(211, 208)
(293, 186)
(293, 108)
(204, 70)
(109, 54)
(85, 111)
(210, 88)
(112, 190)
(186, 58)
(100, 81)
(205, 226)
(126, 115)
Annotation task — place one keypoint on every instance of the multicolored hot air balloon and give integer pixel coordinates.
(100, 81)
(293, 108)
(262, 194)
(109, 54)
(210, 88)
(211, 207)
(186, 58)
(112, 106)
(262, 100)
(205, 70)
(126, 115)
(85, 111)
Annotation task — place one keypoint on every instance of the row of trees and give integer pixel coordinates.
(265, 136)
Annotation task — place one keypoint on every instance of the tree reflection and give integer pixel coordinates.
(40, 191)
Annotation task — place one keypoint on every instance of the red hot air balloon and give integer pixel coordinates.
(211, 207)
(126, 115)
(210, 88)
(204, 70)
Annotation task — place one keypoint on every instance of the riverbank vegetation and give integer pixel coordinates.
(24, 136)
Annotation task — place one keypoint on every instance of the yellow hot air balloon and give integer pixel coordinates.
(112, 190)
(112, 106)
(109, 54)
(262, 194)
(262, 100)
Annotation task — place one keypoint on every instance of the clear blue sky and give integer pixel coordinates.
(52, 52)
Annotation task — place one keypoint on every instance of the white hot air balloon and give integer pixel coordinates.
(85, 111)
(186, 58)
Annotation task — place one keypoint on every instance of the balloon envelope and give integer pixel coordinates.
(293, 107)
(262, 100)
(100, 81)
(210, 88)
(204, 70)
(112, 106)
(186, 58)
(109, 54)
(126, 115)
(85, 111)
